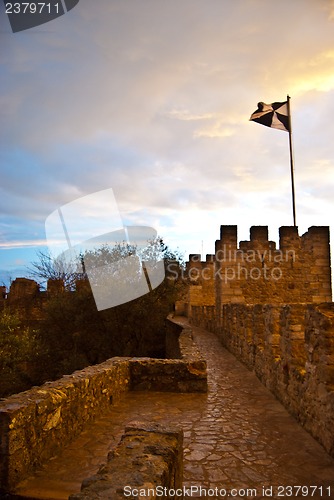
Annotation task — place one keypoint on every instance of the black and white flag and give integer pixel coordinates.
(273, 115)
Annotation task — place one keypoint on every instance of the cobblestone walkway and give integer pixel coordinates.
(237, 437)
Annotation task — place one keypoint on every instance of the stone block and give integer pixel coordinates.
(326, 374)
(149, 458)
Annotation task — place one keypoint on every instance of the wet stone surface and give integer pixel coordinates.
(238, 436)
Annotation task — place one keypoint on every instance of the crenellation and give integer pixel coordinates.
(273, 309)
(288, 237)
(229, 235)
(269, 275)
(55, 286)
(259, 233)
(195, 257)
(22, 288)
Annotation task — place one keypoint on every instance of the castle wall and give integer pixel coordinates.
(200, 276)
(257, 272)
(291, 349)
(36, 424)
(273, 309)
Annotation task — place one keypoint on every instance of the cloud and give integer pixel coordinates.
(185, 115)
(153, 100)
(21, 244)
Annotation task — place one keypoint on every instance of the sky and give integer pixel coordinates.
(152, 99)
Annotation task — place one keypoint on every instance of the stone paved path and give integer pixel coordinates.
(237, 437)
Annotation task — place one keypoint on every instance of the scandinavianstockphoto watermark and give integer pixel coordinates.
(226, 254)
(236, 264)
(89, 229)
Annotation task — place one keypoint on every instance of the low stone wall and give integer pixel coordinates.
(168, 375)
(186, 374)
(36, 424)
(148, 459)
(291, 349)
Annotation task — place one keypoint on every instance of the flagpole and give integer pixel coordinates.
(291, 163)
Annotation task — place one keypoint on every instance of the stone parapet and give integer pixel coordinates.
(148, 460)
(291, 349)
(256, 272)
(168, 375)
(259, 273)
(186, 373)
(36, 424)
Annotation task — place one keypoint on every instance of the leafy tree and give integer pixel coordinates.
(46, 267)
(74, 334)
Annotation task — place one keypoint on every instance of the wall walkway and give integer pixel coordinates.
(238, 436)
(37, 424)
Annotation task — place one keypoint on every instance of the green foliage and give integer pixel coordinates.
(73, 334)
(77, 335)
(20, 350)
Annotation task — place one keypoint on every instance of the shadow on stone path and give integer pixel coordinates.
(238, 437)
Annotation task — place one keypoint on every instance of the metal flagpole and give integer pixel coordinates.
(291, 164)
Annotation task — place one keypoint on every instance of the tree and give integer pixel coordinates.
(47, 267)
(76, 334)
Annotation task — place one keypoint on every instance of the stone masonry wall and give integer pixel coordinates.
(259, 273)
(148, 460)
(291, 349)
(36, 424)
(273, 309)
(256, 272)
(186, 374)
(201, 280)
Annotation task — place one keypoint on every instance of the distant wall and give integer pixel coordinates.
(291, 349)
(36, 424)
(25, 298)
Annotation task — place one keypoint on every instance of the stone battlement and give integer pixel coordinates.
(256, 272)
(36, 424)
(272, 307)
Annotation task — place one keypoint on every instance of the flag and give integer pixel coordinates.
(273, 115)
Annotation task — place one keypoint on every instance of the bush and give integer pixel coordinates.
(20, 353)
